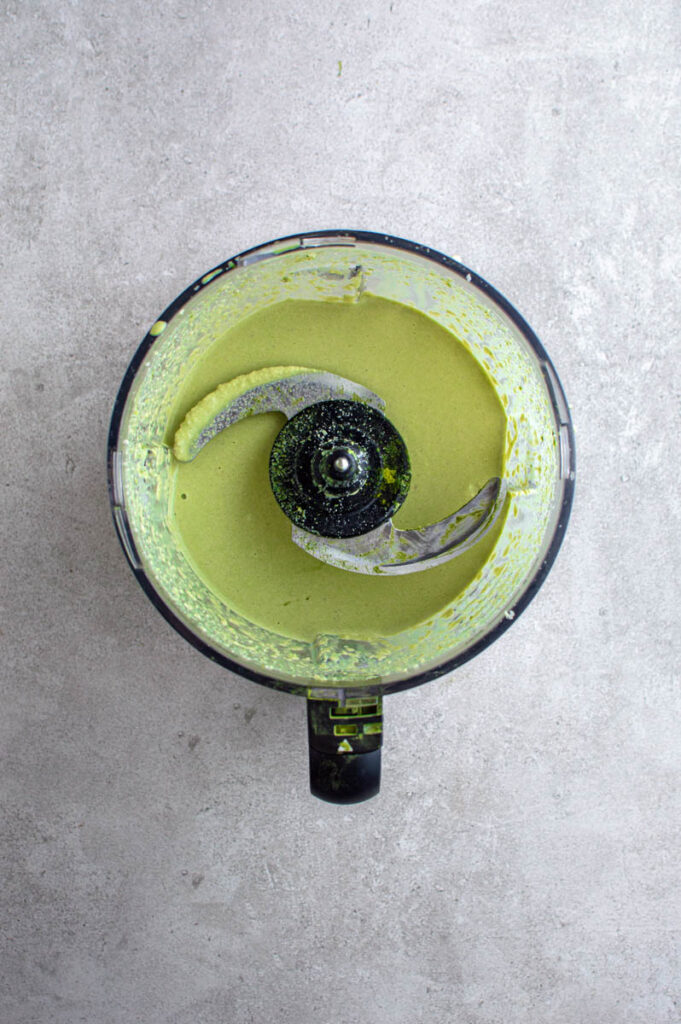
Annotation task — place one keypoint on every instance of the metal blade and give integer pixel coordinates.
(389, 551)
(286, 389)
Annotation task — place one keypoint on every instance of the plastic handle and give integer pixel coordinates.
(345, 748)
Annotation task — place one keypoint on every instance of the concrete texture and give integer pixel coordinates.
(162, 860)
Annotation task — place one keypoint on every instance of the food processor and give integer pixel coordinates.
(339, 471)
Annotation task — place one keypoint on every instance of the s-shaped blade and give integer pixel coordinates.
(384, 550)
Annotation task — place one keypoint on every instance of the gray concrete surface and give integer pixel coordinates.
(162, 860)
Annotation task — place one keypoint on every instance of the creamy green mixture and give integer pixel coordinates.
(223, 511)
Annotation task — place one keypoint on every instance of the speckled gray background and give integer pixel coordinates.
(162, 860)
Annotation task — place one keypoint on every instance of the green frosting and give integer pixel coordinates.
(226, 518)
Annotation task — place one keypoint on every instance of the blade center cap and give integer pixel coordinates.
(341, 470)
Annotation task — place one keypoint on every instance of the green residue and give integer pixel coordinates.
(234, 533)
(340, 68)
(209, 277)
(204, 412)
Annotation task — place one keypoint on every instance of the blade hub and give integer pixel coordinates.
(339, 469)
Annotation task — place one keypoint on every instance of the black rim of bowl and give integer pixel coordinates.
(561, 411)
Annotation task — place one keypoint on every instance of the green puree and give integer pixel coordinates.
(223, 510)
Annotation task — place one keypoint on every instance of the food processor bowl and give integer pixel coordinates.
(344, 678)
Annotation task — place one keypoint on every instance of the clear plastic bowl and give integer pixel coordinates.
(540, 464)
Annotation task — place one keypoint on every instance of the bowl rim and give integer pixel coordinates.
(330, 237)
